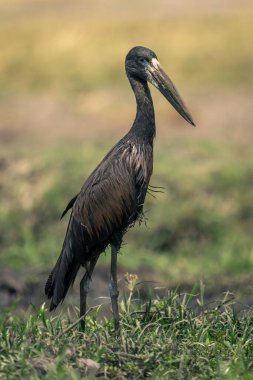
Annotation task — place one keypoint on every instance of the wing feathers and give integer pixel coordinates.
(69, 206)
(112, 197)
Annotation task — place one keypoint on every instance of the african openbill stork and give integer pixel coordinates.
(112, 198)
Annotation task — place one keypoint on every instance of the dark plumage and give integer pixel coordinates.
(112, 197)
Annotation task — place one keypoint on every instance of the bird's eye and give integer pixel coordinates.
(142, 60)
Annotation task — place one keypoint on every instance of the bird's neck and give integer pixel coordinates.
(144, 123)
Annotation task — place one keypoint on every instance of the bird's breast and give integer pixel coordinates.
(139, 158)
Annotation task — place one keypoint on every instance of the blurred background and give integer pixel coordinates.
(65, 100)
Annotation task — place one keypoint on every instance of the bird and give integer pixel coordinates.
(112, 198)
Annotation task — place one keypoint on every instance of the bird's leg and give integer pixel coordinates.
(113, 287)
(84, 289)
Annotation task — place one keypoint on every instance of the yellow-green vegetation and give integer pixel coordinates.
(77, 52)
(200, 225)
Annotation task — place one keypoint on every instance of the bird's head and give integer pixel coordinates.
(143, 65)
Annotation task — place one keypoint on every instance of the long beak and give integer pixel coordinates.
(158, 77)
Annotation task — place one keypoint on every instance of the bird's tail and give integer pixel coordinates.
(62, 276)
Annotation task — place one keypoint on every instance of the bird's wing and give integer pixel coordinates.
(109, 200)
(106, 201)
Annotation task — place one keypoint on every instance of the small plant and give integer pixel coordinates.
(131, 281)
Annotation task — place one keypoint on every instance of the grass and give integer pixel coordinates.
(165, 338)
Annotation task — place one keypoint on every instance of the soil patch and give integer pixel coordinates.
(24, 288)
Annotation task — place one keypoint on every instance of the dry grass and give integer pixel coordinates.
(70, 55)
